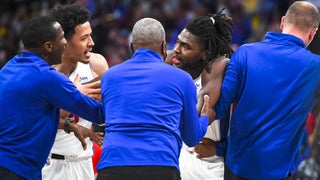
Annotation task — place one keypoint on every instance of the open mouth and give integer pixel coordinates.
(176, 61)
(87, 54)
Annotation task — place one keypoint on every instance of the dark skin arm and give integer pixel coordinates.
(80, 132)
(91, 89)
(211, 85)
(211, 82)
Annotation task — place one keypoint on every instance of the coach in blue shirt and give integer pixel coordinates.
(274, 84)
(150, 108)
(31, 94)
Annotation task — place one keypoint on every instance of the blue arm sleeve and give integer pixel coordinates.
(62, 93)
(231, 87)
(192, 127)
(229, 92)
(221, 146)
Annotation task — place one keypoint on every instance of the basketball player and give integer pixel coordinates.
(202, 49)
(68, 159)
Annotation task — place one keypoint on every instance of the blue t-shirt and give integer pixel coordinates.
(274, 85)
(150, 107)
(31, 93)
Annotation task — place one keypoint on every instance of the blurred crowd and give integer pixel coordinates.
(112, 20)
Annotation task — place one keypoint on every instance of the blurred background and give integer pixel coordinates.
(112, 20)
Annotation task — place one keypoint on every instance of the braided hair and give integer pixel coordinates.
(214, 33)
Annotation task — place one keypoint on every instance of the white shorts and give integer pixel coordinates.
(57, 169)
(193, 168)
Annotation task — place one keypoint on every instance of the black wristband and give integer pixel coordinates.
(66, 126)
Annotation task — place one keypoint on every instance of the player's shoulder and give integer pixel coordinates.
(97, 56)
(220, 60)
(99, 59)
(98, 63)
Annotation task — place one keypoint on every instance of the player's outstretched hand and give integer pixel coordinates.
(91, 88)
(82, 132)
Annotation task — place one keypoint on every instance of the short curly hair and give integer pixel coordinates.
(69, 16)
(37, 31)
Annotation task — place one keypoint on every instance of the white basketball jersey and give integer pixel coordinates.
(213, 131)
(206, 168)
(69, 144)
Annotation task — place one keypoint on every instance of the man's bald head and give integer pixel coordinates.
(148, 33)
(301, 20)
(303, 15)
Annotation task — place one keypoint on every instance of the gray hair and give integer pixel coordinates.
(147, 33)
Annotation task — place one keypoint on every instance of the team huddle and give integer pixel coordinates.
(198, 111)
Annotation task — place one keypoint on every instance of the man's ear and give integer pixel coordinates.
(48, 46)
(131, 48)
(282, 22)
(204, 54)
(313, 33)
(164, 49)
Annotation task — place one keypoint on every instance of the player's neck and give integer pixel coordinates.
(67, 67)
(194, 72)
